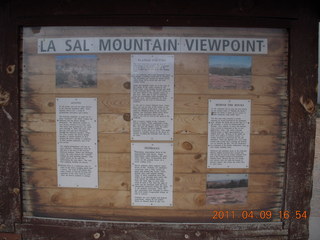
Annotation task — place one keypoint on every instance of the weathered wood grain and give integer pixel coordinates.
(184, 84)
(183, 163)
(183, 123)
(156, 215)
(301, 120)
(183, 104)
(194, 182)
(268, 92)
(98, 198)
(120, 143)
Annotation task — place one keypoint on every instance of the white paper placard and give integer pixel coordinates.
(229, 133)
(76, 121)
(152, 90)
(151, 174)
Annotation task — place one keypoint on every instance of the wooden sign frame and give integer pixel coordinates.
(301, 20)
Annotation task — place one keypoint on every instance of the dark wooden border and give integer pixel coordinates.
(300, 18)
(83, 230)
(10, 204)
(302, 118)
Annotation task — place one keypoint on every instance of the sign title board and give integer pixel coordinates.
(153, 44)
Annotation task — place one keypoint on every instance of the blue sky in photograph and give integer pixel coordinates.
(230, 61)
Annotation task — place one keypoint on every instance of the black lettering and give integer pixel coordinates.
(138, 45)
(41, 47)
(104, 45)
(77, 45)
(225, 44)
(164, 47)
(203, 44)
(157, 45)
(51, 46)
(214, 45)
(189, 47)
(127, 45)
(172, 45)
(68, 45)
(235, 45)
(251, 46)
(148, 43)
(260, 45)
(85, 46)
(116, 45)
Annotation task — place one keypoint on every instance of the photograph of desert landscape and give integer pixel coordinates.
(230, 72)
(76, 71)
(227, 188)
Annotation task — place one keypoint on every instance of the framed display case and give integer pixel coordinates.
(181, 124)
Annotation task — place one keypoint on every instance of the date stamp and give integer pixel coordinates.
(259, 215)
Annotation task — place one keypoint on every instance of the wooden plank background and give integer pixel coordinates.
(111, 201)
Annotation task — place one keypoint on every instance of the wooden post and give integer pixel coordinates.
(10, 204)
(302, 119)
(301, 21)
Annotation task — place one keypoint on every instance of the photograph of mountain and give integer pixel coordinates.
(76, 71)
(227, 188)
(230, 72)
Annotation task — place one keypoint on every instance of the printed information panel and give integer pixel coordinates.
(228, 133)
(151, 174)
(77, 163)
(152, 89)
